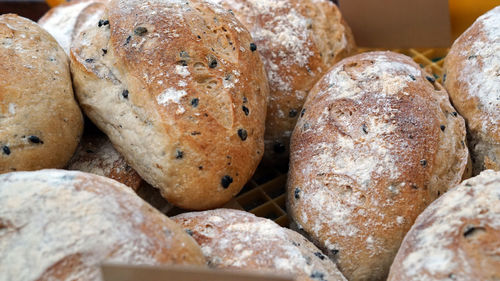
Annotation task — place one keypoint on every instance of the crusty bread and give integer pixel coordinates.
(60, 225)
(378, 142)
(299, 40)
(168, 81)
(40, 121)
(66, 20)
(473, 81)
(232, 239)
(457, 237)
(96, 155)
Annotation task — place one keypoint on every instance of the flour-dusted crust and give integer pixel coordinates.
(378, 142)
(96, 155)
(299, 40)
(168, 82)
(473, 80)
(457, 237)
(60, 225)
(40, 121)
(232, 239)
(64, 21)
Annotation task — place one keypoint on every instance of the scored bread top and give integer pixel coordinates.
(457, 237)
(377, 142)
(62, 225)
(233, 239)
(180, 93)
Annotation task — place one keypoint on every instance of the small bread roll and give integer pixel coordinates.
(232, 239)
(299, 40)
(179, 91)
(457, 237)
(378, 142)
(66, 20)
(40, 121)
(61, 225)
(473, 80)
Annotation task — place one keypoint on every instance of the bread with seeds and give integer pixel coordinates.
(232, 239)
(40, 121)
(299, 40)
(168, 82)
(378, 142)
(457, 237)
(473, 80)
(61, 225)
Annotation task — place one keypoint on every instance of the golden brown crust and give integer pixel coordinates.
(176, 115)
(377, 143)
(299, 40)
(70, 222)
(233, 239)
(40, 121)
(473, 82)
(457, 237)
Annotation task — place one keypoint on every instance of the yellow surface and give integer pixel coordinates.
(464, 12)
(53, 3)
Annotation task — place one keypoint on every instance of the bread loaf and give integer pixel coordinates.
(457, 237)
(473, 80)
(232, 239)
(189, 118)
(299, 40)
(377, 143)
(40, 121)
(61, 225)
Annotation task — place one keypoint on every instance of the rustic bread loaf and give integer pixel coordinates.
(377, 143)
(66, 20)
(60, 225)
(96, 155)
(299, 40)
(233, 239)
(473, 80)
(180, 93)
(40, 121)
(457, 237)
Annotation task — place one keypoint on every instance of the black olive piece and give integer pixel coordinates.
(102, 23)
(454, 113)
(430, 79)
(296, 193)
(183, 63)
(335, 252)
(442, 127)
(140, 30)
(472, 57)
(318, 275)
(128, 40)
(35, 139)
(292, 113)
(189, 231)
(194, 102)
(89, 60)
(125, 94)
(242, 133)
(365, 129)
(104, 51)
(413, 77)
(212, 63)
(414, 186)
(195, 133)
(199, 37)
(253, 47)
(320, 255)
(279, 148)
(245, 100)
(423, 162)
(469, 230)
(226, 181)
(200, 168)
(295, 244)
(245, 109)
(6, 150)
(179, 154)
(302, 112)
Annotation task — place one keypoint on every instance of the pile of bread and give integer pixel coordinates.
(189, 96)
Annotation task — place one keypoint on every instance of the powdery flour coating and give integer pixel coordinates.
(473, 80)
(40, 121)
(60, 225)
(167, 82)
(233, 239)
(66, 20)
(457, 237)
(299, 40)
(377, 143)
